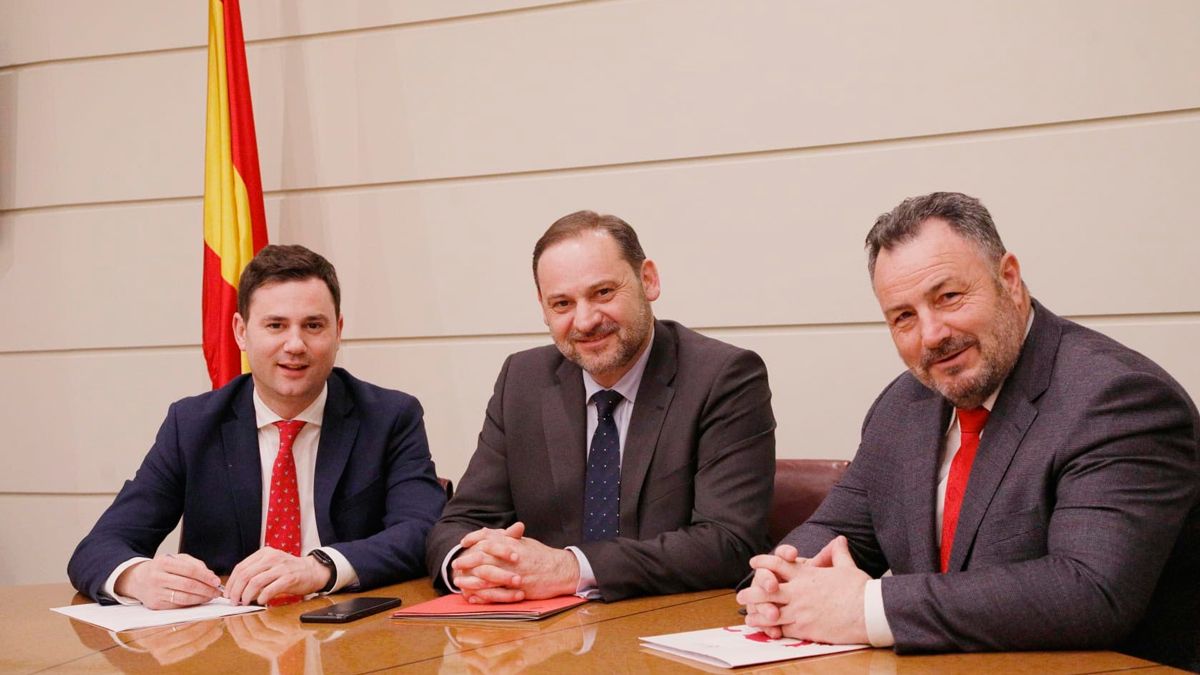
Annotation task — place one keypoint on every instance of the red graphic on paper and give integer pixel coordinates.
(759, 636)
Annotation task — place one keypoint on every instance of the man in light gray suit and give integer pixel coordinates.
(1030, 483)
(632, 457)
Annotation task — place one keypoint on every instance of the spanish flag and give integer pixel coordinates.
(235, 226)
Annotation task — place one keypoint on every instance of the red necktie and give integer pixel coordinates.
(970, 423)
(283, 511)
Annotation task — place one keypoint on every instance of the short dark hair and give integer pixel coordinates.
(965, 214)
(292, 262)
(575, 224)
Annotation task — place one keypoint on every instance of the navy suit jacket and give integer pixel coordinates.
(1079, 528)
(376, 494)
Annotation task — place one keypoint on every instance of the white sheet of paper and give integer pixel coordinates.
(129, 617)
(737, 646)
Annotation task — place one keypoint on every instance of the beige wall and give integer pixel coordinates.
(424, 145)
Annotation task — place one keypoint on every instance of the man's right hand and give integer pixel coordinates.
(169, 581)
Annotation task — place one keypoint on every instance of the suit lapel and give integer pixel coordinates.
(649, 410)
(239, 443)
(564, 420)
(1007, 424)
(929, 414)
(339, 428)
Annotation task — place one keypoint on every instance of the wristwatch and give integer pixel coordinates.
(323, 558)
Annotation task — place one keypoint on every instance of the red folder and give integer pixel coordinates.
(455, 606)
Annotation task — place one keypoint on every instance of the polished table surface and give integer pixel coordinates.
(595, 637)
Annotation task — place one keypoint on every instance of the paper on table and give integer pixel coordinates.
(738, 646)
(128, 617)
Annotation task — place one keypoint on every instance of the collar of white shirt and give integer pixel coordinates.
(628, 385)
(313, 414)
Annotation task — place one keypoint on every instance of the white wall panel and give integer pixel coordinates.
(111, 276)
(81, 422)
(38, 533)
(110, 130)
(43, 30)
(772, 240)
(515, 92)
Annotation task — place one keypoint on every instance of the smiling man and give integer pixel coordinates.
(1030, 483)
(297, 478)
(632, 457)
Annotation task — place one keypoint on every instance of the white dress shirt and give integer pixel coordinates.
(304, 454)
(627, 386)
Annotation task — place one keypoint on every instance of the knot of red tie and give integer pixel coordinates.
(972, 421)
(288, 430)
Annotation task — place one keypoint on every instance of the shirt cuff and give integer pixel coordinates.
(586, 588)
(446, 569)
(879, 633)
(110, 585)
(346, 576)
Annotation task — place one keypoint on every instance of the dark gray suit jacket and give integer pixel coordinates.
(1079, 525)
(696, 473)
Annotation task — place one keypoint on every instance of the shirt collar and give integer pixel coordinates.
(313, 414)
(628, 385)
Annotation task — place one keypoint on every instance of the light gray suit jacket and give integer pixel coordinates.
(697, 468)
(1078, 528)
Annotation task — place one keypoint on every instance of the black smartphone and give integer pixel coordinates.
(350, 610)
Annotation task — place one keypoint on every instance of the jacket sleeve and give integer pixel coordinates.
(483, 497)
(413, 500)
(144, 512)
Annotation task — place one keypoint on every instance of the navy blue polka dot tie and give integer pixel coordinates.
(602, 490)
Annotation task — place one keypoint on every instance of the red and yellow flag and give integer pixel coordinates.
(235, 226)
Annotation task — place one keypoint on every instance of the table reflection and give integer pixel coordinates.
(501, 650)
(149, 647)
(258, 642)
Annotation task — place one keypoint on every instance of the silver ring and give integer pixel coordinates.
(172, 597)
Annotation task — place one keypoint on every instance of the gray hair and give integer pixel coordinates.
(965, 214)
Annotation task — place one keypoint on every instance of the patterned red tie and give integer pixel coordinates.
(283, 512)
(970, 424)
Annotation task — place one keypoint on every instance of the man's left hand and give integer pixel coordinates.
(269, 572)
(819, 599)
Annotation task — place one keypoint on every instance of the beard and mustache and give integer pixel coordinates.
(630, 338)
(999, 349)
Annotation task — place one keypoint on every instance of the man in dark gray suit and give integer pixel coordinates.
(1030, 483)
(632, 457)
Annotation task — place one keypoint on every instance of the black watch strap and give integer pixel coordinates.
(323, 558)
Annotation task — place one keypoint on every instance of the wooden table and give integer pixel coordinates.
(595, 637)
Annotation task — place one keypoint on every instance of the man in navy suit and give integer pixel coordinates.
(297, 478)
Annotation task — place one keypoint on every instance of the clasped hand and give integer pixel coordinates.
(506, 566)
(818, 599)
